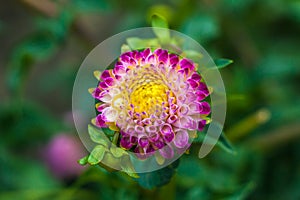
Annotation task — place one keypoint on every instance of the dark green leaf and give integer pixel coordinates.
(108, 131)
(243, 192)
(90, 6)
(222, 62)
(158, 178)
(222, 142)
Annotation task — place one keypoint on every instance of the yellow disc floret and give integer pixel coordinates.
(148, 97)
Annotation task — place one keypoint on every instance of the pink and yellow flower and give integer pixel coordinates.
(153, 99)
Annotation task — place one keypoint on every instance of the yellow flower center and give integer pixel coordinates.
(148, 97)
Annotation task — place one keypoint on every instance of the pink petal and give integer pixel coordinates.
(105, 74)
(167, 152)
(181, 139)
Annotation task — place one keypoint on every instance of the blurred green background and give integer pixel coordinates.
(43, 44)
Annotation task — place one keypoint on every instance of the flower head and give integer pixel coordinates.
(153, 99)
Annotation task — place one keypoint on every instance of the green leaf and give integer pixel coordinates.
(96, 155)
(160, 28)
(117, 152)
(202, 27)
(222, 142)
(111, 162)
(83, 6)
(243, 192)
(127, 167)
(98, 136)
(108, 131)
(137, 43)
(158, 178)
(83, 161)
(222, 62)
(125, 48)
(193, 55)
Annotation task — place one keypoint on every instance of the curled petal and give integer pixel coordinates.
(182, 122)
(163, 57)
(186, 64)
(139, 129)
(193, 83)
(130, 130)
(166, 129)
(151, 59)
(167, 152)
(172, 119)
(119, 70)
(183, 86)
(137, 55)
(173, 108)
(109, 81)
(125, 142)
(143, 141)
(96, 93)
(181, 98)
(105, 97)
(132, 61)
(195, 107)
(101, 107)
(151, 129)
(146, 121)
(125, 58)
(158, 122)
(158, 52)
(146, 53)
(139, 152)
(201, 125)
(105, 74)
(181, 139)
(173, 59)
(196, 77)
(192, 125)
(202, 87)
(200, 95)
(158, 144)
(169, 137)
(149, 150)
(153, 136)
(191, 96)
(109, 114)
(183, 110)
(133, 139)
(205, 108)
(103, 85)
(100, 122)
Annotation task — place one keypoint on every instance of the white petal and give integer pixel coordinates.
(110, 114)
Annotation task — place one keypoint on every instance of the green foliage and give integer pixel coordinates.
(107, 155)
(158, 178)
(222, 141)
(162, 33)
(137, 43)
(221, 63)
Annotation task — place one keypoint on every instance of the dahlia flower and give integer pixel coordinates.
(154, 99)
